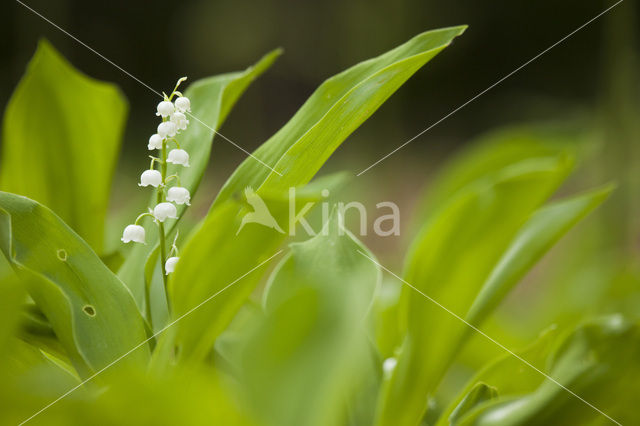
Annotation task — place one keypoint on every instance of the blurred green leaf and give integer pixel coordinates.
(61, 138)
(211, 100)
(598, 362)
(90, 310)
(449, 261)
(388, 334)
(534, 239)
(305, 355)
(491, 152)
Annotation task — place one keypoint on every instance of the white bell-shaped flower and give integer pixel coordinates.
(179, 195)
(133, 233)
(165, 109)
(150, 177)
(180, 120)
(165, 211)
(167, 129)
(155, 142)
(178, 156)
(183, 104)
(170, 264)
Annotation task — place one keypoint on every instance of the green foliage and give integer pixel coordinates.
(61, 136)
(598, 361)
(322, 345)
(90, 310)
(467, 261)
(297, 151)
(228, 256)
(506, 375)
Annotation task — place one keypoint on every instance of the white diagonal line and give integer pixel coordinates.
(143, 83)
(115, 361)
(234, 144)
(491, 87)
(500, 345)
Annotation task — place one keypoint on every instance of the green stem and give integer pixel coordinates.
(163, 243)
(140, 217)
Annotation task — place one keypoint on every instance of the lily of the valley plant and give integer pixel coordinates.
(173, 122)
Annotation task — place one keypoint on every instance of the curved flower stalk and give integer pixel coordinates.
(173, 122)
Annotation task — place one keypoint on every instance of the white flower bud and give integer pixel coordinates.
(133, 233)
(170, 264)
(179, 195)
(150, 177)
(178, 156)
(389, 365)
(165, 109)
(180, 120)
(165, 211)
(155, 142)
(167, 129)
(183, 104)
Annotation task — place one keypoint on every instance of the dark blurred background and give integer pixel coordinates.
(161, 40)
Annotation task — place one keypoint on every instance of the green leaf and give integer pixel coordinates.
(449, 261)
(211, 100)
(545, 227)
(315, 304)
(91, 311)
(220, 253)
(598, 362)
(67, 128)
(331, 114)
(481, 392)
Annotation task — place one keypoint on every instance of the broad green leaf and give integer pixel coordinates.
(545, 227)
(332, 113)
(598, 361)
(221, 253)
(61, 138)
(211, 100)
(450, 260)
(92, 312)
(306, 353)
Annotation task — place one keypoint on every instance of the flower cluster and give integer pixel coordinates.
(174, 120)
